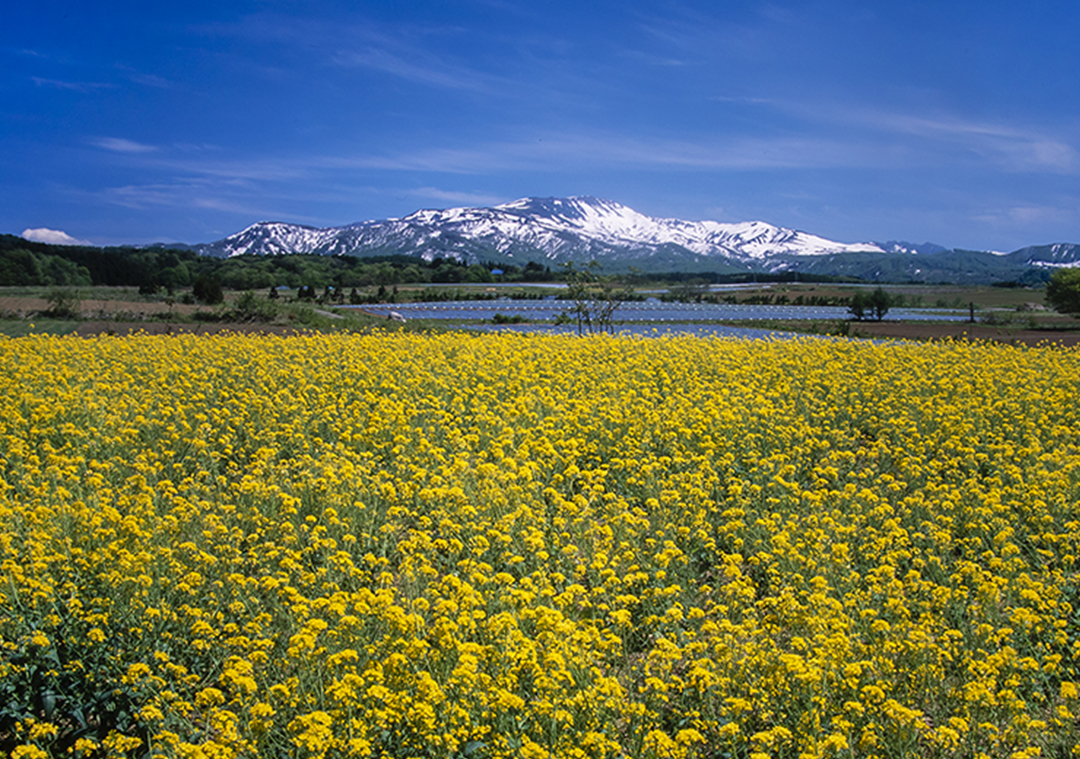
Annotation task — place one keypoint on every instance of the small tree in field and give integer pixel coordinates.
(1063, 291)
(879, 304)
(870, 305)
(595, 298)
(858, 305)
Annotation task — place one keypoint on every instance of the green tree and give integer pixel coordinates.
(859, 304)
(207, 289)
(879, 304)
(478, 273)
(1063, 291)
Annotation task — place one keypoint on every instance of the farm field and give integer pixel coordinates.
(513, 545)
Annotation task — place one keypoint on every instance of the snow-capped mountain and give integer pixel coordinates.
(582, 229)
(543, 230)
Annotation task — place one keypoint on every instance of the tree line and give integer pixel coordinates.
(28, 263)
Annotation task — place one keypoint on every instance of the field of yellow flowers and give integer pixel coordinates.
(530, 546)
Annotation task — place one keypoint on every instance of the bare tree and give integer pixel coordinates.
(595, 298)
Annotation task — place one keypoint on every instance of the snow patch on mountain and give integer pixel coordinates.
(901, 246)
(1055, 256)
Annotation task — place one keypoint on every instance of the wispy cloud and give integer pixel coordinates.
(691, 34)
(121, 145)
(181, 195)
(1030, 215)
(202, 162)
(25, 51)
(651, 59)
(434, 73)
(238, 171)
(196, 147)
(149, 80)
(940, 140)
(85, 87)
(204, 195)
(471, 198)
(951, 139)
(779, 15)
(588, 151)
(743, 100)
(52, 236)
(568, 152)
(1012, 147)
(757, 45)
(401, 51)
(149, 195)
(896, 143)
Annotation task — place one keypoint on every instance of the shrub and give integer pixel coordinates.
(207, 290)
(504, 319)
(1063, 291)
(250, 307)
(63, 303)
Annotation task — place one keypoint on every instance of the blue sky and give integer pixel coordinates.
(951, 122)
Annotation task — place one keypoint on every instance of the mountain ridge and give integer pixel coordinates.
(549, 228)
(584, 228)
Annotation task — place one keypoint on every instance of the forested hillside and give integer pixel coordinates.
(27, 263)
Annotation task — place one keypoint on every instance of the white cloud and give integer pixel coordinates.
(52, 236)
(120, 145)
